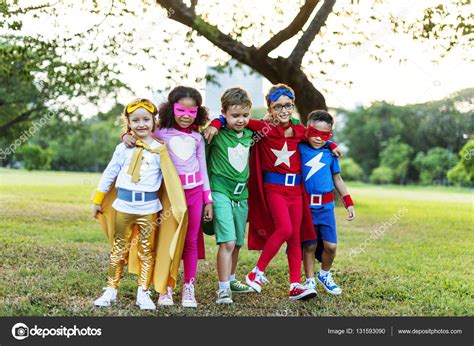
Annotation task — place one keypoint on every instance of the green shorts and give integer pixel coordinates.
(230, 219)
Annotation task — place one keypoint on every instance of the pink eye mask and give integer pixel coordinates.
(181, 111)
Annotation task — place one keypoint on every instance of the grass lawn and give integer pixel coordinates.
(54, 256)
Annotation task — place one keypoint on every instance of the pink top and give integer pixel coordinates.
(187, 151)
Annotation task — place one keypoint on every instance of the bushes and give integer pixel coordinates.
(395, 160)
(458, 175)
(396, 156)
(463, 172)
(350, 170)
(34, 157)
(382, 175)
(434, 165)
(88, 150)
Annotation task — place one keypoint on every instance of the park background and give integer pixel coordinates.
(396, 75)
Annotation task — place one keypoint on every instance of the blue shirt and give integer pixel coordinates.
(318, 166)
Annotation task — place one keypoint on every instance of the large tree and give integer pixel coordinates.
(287, 70)
(436, 23)
(287, 41)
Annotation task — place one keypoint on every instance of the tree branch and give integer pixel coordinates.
(277, 70)
(318, 21)
(193, 5)
(18, 119)
(185, 15)
(32, 8)
(291, 30)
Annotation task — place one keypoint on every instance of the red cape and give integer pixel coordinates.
(261, 224)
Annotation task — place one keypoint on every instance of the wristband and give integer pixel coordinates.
(332, 146)
(207, 197)
(216, 123)
(98, 197)
(347, 201)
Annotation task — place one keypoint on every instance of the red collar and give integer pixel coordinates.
(186, 130)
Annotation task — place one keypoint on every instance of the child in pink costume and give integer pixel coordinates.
(179, 119)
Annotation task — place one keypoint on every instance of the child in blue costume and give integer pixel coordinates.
(321, 174)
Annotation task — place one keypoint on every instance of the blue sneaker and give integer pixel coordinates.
(329, 284)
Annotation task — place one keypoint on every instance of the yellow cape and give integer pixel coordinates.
(172, 225)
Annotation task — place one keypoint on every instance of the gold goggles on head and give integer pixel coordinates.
(133, 106)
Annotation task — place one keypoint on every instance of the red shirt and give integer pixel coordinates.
(278, 153)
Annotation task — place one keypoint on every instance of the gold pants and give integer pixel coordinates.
(122, 244)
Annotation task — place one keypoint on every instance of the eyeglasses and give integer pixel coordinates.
(287, 107)
(133, 106)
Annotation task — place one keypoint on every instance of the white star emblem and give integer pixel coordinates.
(283, 155)
(315, 164)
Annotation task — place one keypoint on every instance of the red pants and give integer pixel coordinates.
(287, 213)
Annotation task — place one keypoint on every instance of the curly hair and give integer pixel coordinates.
(166, 110)
(125, 114)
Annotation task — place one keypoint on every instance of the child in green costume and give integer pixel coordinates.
(228, 167)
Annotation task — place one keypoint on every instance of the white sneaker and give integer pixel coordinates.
(224, 296)
(189, 301)
(310, 283)
(144, 301)
(107, 298)
(167, 298)
(256, 280)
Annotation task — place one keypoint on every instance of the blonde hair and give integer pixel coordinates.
(125, 114)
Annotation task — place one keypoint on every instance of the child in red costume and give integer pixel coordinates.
(277, 210)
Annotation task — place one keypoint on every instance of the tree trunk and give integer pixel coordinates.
(280, 70)
(308, 98)
(276, 70)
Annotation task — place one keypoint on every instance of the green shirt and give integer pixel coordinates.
(228, 162)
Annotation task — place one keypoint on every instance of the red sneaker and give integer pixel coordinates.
(255, 281)
(302, 292)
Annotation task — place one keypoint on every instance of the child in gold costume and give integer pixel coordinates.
(145, 225)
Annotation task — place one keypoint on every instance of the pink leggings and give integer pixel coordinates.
(287, 214)
(194, 200)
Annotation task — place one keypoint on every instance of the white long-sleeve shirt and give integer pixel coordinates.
(150, 179)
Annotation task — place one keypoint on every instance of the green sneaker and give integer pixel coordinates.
(224, 296)
(238, 287)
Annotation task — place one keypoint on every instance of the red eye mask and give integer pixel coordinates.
(181, 111)
(324, 135)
